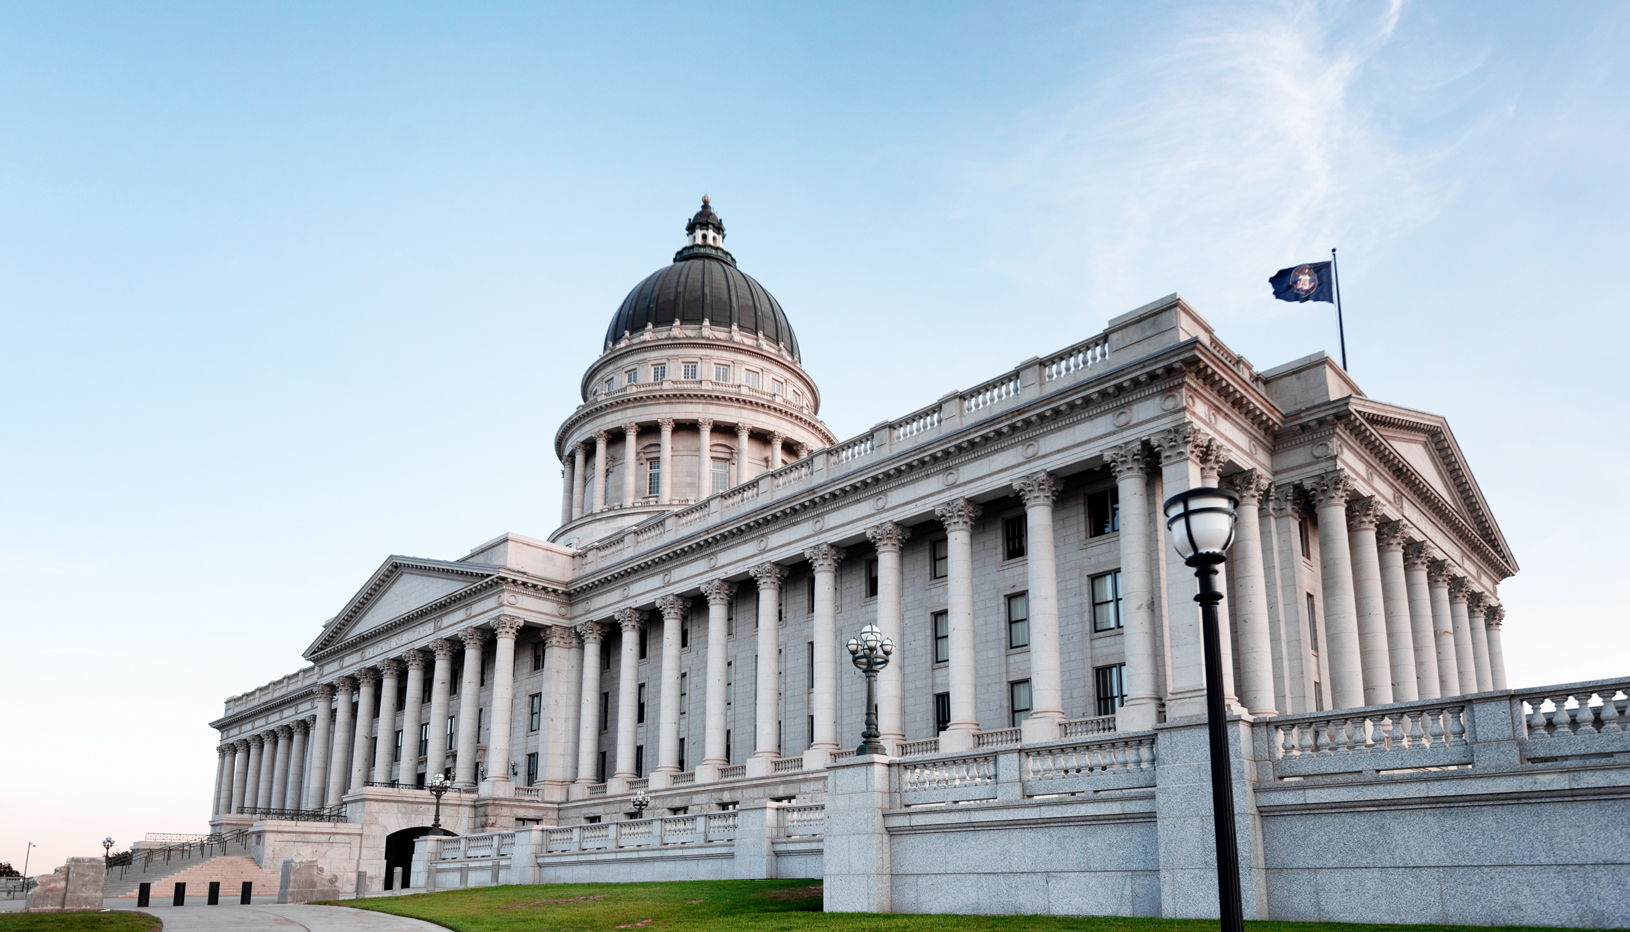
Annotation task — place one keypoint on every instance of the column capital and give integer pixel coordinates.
(414, 660)
(241, 745)
(1127, 459)
(665, 424)
(256, 740)
(301, 725)
(1363, 513)
(631, 429)
(1038, 488)
(1419, 554)
(1212, 454)
(592, 632)
(1283, 500)
(507, 626)
(1390, 536)
(958, 514)
(1460, 589)
(673, 608)
(344, 685)
(888, 537)
(557, 636)
(441, 648)
(1440, 574)
(630, 619)
(704, 423)
(1493, 615)
(473, 638)
(776, 436)
(1251, 485)
(743, 428)
(284, 732)
(1328, 489)
(824, 558)
(1475, 601)
(324, 692)
(390, 668)
(221, 749)
(768, 576)
(578, 450)
(1176, 444)
(601, 437)
(718, 591)
(367, 676)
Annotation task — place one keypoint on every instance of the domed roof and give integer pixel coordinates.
(703, 283)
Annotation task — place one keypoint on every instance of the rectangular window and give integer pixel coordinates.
(396, 755)
(721, 373)
(942, 636)
(458, 677)
(482, 678)
(681, 762)
(605, 712)
(1018, 620)
(639, 717)
(1312, 625)
(639, 760)
(942, 712)
(687, 371)
(1014, 532)
(537, 656)
(1018, 699)
(729, 682)
(939, 559)
(659, 372)
(727, 745)
(653, 478)
(719, 476)
(811, 608)
(752, 379)
(451, 726)
(684, 694)
(534, 719)
(777, 387)
(730, 620)
(811, 646)
(871, 579)
(1103, 512)
(811, 732)
(1301, 532)
(611, 384)
(1106, 601)
(373, 749)
(1109, 685)
(600, 775)
(424, 738)
(532, 769)
(684, 632)
(1318, 697)
(480, 721)
(644, 641)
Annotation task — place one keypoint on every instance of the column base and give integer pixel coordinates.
(708, 771)
(759, 766)
(955, 740)
(1138, 715)
(661, 779)
(816, 758)
(1185, 705)
(617, 784)
(495, 787)
(1037, 729)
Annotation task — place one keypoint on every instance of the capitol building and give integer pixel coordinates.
(680, 635)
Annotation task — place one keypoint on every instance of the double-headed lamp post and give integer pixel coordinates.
(1201, 522)
(870, 653)
(438, 786)
(107, 849)
(639, 802)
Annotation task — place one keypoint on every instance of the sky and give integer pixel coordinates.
(288, 288)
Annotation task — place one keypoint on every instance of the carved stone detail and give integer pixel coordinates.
(1460, 589)
(1440, 573)
(1128, 459)
(557, 637)
(1493, 615)
(672, 607)
(390, 667)
(823, 558)
(630, 619)
(1176, 444)
(1418, 554)
(368, 677)
(473, 638)
(957, 514)
(718, 591)
(507, 626)
(1038, 488)
(592, 632)
(1250, 484)
(1284, 500)
(665, 424)
(1362, 513)
(324, 693)
(442, 648)
(414, 660)
(768, 576)
(284, 732)
(1331, 487)
(888, 536)
(1389, 537)
(704, 423)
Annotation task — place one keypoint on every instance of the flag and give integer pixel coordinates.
(1307, 282)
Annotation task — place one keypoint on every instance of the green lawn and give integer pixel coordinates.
(121, 921)
(728, 905)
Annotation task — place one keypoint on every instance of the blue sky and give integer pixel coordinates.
(287, 288)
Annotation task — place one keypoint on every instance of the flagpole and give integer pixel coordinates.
(1341, 330)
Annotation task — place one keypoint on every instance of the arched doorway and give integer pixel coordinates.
(399, 853)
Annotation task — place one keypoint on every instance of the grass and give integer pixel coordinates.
(768, 905)
(119, 921)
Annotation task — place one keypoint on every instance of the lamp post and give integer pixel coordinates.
(438, 787)
(639, 802)
(1201, 522)
(870, 653)
(107, 850)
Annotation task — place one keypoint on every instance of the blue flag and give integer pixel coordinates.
(1309, 282)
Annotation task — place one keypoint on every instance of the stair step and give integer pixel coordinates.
(230, 870)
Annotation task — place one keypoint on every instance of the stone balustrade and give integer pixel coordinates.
(1130, 754)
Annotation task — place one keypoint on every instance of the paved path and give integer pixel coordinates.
(274, 918)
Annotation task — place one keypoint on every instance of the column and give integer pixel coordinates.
(824, 560)
(1369, 601)
(775, 450)
(268, 764)
(385, 747)
(1389, 542)
(631, 456)
(1493, 619)
(588, 715)
(1480, 642)
(578, 478)
(628, 671)
(665, 461)
(1142, 708)
(767, 696)
(1250, 595)
(704, 458)
(339, 758)
(1213, 457)
(1179, 448)
(566, 700)
(280, 767)
(1465, 657)
(1418, 560)
(222, 797)
(1046, 676)
(321, 734)
(363, 729)
(598, 496)
(469, 710)
(1329, 495)
(441, 685)
(744, 462)
(1443, 630)
(297, 766)
(718, 593)
(503, 700)
(889, 538)
(567, 481)
(412, 717)
(240, 776)
(673, 609)
(558, 762)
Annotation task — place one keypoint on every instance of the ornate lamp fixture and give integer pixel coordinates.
(438, 786)
(639, 802)
(870, 653)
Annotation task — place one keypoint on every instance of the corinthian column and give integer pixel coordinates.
(503, 701)
(297, 763)
(889, 538)
(560, 759)
(568, 477)
(631, 453)
(958, 516)
(588, 718)
(1443, 630)
(1480, 643)
(1389, 542)
(1046, 675)
(1250, 595)
(240, 775)
(339, 758)
(322, 734)
(385, 748)
(1465, 657)
(578, 478)
(268, 763)
(767, 698)
(824, 560)
(251, 793)
(441, 687)
(367, 686)
(1369, 601)
(665, 461)
(704, 458)
(1329, 495)
(775, 450)
(1180, 448)
(280, 767)
(469, 710)
(412, 717)
(1129, 463)
(630, 620)
(1493, 619)
(673, 610)
(1418, 560)
(222, 796)
(718, 593)
(598, 496)
(744, 462)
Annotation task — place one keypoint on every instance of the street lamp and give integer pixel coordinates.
(107, 849)
(639, 802)
(438, 787)
(1201, 522)
(870, 653)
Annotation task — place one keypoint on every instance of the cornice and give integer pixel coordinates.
(662, 337)
(276, 705)
(670, 395)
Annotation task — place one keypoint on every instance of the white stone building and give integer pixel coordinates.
(681, 632)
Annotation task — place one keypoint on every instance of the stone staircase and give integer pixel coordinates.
(230, 870)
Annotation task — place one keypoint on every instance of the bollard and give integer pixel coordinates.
(180, 898)
(214, 893)
(248, 890)
(144, 894)
(362, 884)
(397, 878)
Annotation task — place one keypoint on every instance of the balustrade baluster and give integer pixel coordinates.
(1304, 739)
(1610, 712)
(1586, 716)
(1457, 727)
(1146, 755)
(1351, 733)
(1434, 736)
(1282, 741)
(1561, 718)
(1536, 722)
(1321, 739)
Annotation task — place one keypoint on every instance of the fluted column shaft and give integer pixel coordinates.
(567, 698)
(704, 458)
(297, 767)
(744, 461)
(412, 717)
(1480, 643)
(1465, 655)
(665, 462)
(503, 699)
(767, 698)
(889, 538)
(385, 747)
(268, 763)
(588, 715)
(240, 775)
(958, 516)
(673, 610)
(1329, 493)
(775, 450)
(628, 673)
(1443, 633)
(367, 699)
(631, 456)
(1369, 602)
(578, 477)
(718, 593)
(339, 758)
(1417, 562)
(1141, 711)
(469, 710)
(1395, 604)
(598, 496)
(1250, 596)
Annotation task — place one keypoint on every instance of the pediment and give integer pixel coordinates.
(1417, 453)
(409, 590)
(400, 587)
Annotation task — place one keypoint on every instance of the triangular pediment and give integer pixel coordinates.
(409, 590)
(402, 586)
(1417, 453)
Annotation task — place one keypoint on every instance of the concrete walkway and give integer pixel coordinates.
(274, 918)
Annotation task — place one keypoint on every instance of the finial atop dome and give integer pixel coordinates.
(706, 236)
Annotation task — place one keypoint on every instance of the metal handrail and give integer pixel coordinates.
(141, 859)
(335, 813)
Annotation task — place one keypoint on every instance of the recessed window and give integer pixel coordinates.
(942, 712)
(684, 695)
(611, 384)
(752, 379)
(659, 372)
(1018, 700)
(684, 633)
(1018, 620)
(726, 754)
(939, 559)
(599, 777)
(640, 709)
(632, 376)
(811, 665)
(729, 685)
(730, 620)
(871, 579)
(777, 387)
(451, 731)
(653, 477)
(605, 712)
(688, 371)
(424, 738)
(1301, 532)
(1103, 512)
(811, 590)
(534, 720)
(1312, 625)
(639, 760)
(1014, 532)
(719, 474)
(644, 641)
(396, 755)
(721, 373)
(1106, 601)
(1109, 684)
(682, 809)
(942, 636)
(537, 656)
(532, 769)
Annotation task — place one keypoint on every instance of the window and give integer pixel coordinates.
(811, 645)
(942, 637)
(681, 762)
(639, 760)
(483, 676)
(1103, 512)
(721, 373)
(942, 712)
(659, 372)
(644, 641)
(424, 738)
(684, 695)
(632, 376)
(605, 712)
(458, 677)
(720, 476)
(653, 477)
(1106, 601)
(537, 656)
(752, 379)
(811, 733)
(600, 775)
(871, 579)
(939, 559)
(684, 632)
(1018, 698)
(1312, 625)
(534, 719)
(480, 720)
(727, 745)
(1301, 532)
(777, 387)
(730, 620)
(1109, 685)
(1018, 620)
(532, 769)
(373, 749)
(1318, 697)
(639, 717)
(396, 755)
(451, 720)
(605, 658)
(594, 819)
(811, 608)
(687, 371)
(1014, 532)
(610, 385)
(729, 683)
